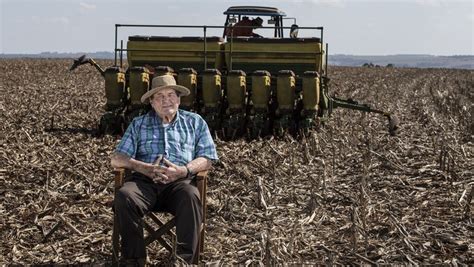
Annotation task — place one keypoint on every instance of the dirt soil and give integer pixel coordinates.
(349, 194)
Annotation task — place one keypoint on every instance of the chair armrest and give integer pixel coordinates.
(201, 182)
(201, 179)
(201, 175)
(119, 177)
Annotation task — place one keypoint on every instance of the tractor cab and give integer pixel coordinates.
(262, 17)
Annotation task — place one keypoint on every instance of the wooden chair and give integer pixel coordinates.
(158, 228)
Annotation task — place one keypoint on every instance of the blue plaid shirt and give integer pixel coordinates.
(187, 137)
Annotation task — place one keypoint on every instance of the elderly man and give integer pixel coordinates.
(164, 149)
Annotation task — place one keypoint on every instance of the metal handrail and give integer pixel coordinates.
(216, 51)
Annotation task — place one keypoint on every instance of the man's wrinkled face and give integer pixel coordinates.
(165, 103)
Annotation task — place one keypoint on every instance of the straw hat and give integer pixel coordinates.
(164, 82)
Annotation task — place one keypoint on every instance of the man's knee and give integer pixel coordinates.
(126, 198)
(186, 200)
(189, 192)
(122, 196)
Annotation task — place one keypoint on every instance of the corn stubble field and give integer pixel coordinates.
(349, 194)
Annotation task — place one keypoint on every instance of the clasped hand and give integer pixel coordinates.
(166, 173)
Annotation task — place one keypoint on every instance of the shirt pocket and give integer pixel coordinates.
(187, 148)
(149, 143)
(145, 147)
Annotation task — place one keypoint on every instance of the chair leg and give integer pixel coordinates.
(200, 246)
(119, 176)
(115, 242)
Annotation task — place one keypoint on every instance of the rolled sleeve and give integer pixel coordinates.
(205, 146)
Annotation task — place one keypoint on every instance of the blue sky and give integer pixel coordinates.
(358, 27)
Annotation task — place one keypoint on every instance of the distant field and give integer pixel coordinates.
(409, 61)
(348, 194)
(413, 61)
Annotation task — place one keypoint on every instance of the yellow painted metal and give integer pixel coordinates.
(114, 87)
(236, 89)
(211, 88)
(187, 77)
(286, 90)
(261, 90)
(310, 90)
(258, 51)
(163, 70)
(139, 83)
(176, 52)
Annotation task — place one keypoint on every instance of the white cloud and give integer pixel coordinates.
(435, 3)
(327, 3)
(332, 3)
(55, 20)
(440, 3)
(61, 20)
(87, 6)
